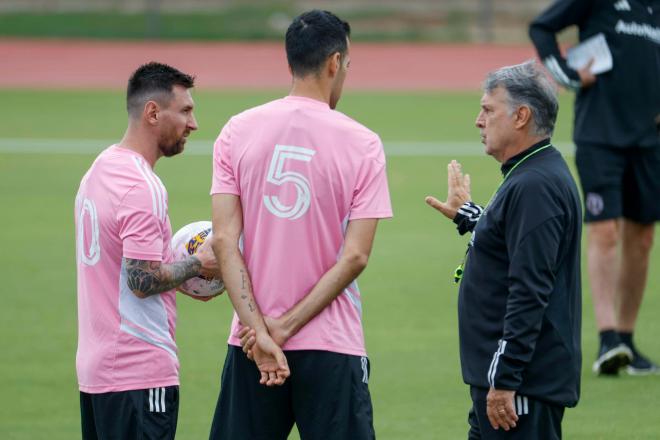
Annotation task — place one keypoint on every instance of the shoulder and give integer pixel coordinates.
(359, 137)
(353, 126)
(257, 112)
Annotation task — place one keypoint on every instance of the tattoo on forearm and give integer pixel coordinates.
(245, 291)
(151, 277)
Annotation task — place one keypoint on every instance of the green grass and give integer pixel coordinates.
(409, 299)
(415, 116)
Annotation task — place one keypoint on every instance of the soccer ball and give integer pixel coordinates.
(185, 242)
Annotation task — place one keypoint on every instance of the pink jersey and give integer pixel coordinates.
(124, 342)
(302, 171)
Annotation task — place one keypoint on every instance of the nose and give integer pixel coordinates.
(480, 120)
(192, 123)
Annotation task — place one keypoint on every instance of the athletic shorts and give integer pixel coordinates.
(326, 396)
(137, 414)
(536, 420)
(619, 182)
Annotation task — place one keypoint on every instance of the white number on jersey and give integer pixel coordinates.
(91, 254)
(277, 176)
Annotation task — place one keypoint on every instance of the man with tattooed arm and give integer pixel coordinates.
(127, 364)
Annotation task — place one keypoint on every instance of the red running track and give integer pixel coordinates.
(96, 64)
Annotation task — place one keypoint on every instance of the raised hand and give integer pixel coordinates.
(458, 191)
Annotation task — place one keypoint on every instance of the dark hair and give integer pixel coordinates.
(154, 81)
(312, 38)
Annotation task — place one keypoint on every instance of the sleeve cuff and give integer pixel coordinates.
(467, 217)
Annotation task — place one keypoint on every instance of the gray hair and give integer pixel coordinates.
(527, 85)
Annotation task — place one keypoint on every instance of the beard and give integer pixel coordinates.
(172, 147)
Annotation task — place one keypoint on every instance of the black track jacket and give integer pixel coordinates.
(622, 107)
(519, 302)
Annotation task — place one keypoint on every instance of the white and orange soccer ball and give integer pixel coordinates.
(185, 242)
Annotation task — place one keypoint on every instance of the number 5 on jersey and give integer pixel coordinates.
(278, 176)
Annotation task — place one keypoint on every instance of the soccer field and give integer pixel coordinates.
(47, 143)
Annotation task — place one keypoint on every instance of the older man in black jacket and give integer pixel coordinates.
(520, 295)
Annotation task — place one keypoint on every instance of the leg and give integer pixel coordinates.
(159, 412)
(331, 397)
(636, 249)
(87, 417)
(602, 172)
(602, 243)
(641, 210)
(247, 410)
(536, 420)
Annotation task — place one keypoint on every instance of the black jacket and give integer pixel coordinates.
(621, 108)
(519, 301)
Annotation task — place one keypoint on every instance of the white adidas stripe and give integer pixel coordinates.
(151, 189)
(151, 400)
(155, 186)
(158, 186)
(560, 76)
(494, 362)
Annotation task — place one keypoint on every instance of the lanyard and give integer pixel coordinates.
(458, 273)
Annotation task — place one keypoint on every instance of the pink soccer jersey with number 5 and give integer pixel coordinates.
(124, 342)
(302, 171)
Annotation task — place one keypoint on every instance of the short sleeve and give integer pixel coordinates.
(140, 229)
(224, 178)
(371, 197)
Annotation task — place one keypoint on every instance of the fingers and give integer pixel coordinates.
(248, 338)
(445, 209)
(454, 176)
(467, 183)
(501, 413)
(243, 332)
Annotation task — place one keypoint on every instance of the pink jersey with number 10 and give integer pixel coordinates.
(302, 171)
(124, 342)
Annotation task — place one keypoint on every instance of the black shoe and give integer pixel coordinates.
(611, 359)
(641, 365)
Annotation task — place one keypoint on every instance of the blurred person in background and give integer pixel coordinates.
(617, 157)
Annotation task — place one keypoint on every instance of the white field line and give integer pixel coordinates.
(201, 148)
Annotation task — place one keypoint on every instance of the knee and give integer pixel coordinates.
(640, 236)
(605, 235)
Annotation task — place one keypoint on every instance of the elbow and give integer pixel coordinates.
(139, 294)
(222, 241)
(357, 261)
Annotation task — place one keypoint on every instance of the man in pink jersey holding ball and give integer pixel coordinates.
(304, 185)
(128, 369)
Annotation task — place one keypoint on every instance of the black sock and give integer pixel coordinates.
(609, 338)
(626, 338)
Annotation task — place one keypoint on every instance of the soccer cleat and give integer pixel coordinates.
(611, 359)
(641, 365)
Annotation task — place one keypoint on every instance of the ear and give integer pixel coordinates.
(151, 112)
(334, 64)
(522, 116)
